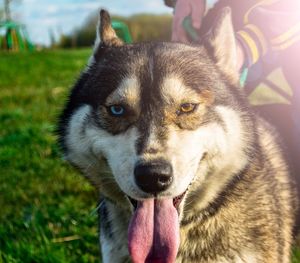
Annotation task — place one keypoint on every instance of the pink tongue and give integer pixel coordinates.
(153, 232)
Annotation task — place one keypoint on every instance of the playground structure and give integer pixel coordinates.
(14, 37)
(122, 31)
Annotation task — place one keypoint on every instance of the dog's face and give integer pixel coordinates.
(160, 125)
(154, 112)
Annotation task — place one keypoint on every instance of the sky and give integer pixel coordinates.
(62, 16)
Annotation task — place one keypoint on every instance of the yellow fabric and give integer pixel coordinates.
(286, 35)
(259, 35)
(251, 44)
(287, 44)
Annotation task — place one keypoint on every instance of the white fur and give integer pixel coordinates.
(119, 150)
(128, 91)
(222, 148)
(96, 45)
(115, 249)
(175, 92)
(79, 151)
(247, 257)
(185, 150)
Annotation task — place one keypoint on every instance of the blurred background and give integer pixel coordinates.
(69, 23)
(48, 212)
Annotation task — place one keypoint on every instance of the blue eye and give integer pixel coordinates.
(117, 110)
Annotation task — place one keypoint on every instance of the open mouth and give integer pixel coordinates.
(153, 233)
(176, 201)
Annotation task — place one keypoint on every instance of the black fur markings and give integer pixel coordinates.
(105, 222)
(73, 102)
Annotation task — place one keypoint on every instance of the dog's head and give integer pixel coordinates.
(152, 121)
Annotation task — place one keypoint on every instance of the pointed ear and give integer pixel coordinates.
(222, 43)
(106, 35)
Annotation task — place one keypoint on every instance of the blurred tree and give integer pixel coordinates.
(6, 11)
(146, 27)
(52, 37)
(143, 27)
(1, 14)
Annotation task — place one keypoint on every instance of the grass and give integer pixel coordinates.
(48, 212)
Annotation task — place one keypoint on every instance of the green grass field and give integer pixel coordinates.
(48, 212)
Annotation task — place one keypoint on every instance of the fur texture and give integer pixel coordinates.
(237, 200)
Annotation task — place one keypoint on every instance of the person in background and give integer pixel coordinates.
(268, 37)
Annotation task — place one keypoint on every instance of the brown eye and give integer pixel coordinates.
(187, 108)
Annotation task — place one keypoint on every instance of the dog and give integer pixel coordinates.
(185, 169)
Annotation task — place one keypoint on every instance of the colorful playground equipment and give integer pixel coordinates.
(122, 31)
(14, 37)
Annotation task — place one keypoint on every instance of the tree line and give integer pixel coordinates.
(142, 27)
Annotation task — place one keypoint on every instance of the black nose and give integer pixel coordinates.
(153, 177)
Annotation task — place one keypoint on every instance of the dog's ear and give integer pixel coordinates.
(106, 35)
(221, 42)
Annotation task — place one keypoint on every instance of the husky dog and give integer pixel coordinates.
(186, 171)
